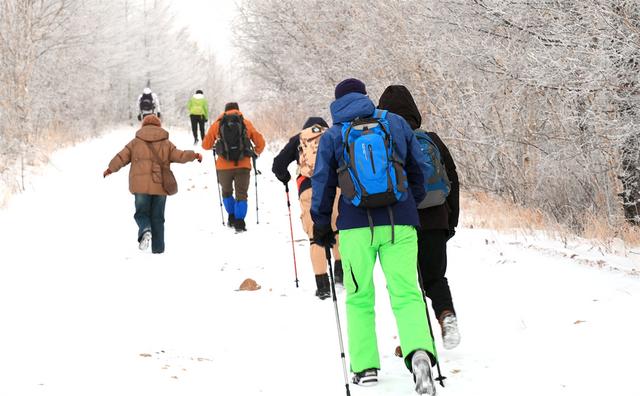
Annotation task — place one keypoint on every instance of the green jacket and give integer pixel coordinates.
(198, 105)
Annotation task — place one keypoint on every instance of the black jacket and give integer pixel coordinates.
(397, 99)
(287, 155)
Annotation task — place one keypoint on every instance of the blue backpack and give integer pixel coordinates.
(370, 174)
(438, 186)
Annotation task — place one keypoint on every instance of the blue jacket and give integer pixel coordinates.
(330, 151)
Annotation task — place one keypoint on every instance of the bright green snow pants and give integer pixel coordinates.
(399, 264)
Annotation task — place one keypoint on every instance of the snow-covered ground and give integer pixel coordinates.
(84, 312)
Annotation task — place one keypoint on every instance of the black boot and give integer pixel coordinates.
(338, 275)
(239, 225)
(231, 221)
(324, 288)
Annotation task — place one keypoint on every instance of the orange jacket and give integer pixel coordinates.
(212, 135)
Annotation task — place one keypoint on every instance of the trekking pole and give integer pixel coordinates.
(215, 162)
(293, 248)
(256, 173)
(440, 378)
(327, 251)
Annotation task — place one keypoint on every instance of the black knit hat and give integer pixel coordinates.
(315, 121)
(231, 106)
(350, 85)
(397, 99)
(199, 92)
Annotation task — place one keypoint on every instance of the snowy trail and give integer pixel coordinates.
(83, 312)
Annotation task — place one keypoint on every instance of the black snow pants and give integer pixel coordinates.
(197, 121)
(432, 264)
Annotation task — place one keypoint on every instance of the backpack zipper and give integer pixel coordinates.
(373, 166)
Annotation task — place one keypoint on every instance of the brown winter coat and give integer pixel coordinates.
(145, 175)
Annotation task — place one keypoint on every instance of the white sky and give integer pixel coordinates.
(209, 22)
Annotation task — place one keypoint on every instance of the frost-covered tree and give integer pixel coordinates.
(66, 74)
(536, 99)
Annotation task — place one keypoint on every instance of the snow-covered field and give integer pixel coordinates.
(84, 312)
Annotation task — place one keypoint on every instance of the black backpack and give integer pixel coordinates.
(233, 143)
(146, 103)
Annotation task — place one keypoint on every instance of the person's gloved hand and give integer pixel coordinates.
(199, 157)
(159, 116)
(206, 120)
(450, 233)
(106, 173)
(139, 117)
(323, 235)
(284, 177)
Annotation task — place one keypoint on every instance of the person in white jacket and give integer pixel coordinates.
(148, 103)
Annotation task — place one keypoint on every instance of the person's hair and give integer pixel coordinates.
(199, 92)
(231, 106)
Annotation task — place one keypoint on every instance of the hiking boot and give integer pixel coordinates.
(324, 290)
(449, 326)
(323, 294)
(195, 142)
(145, 240)
(421, 369)
(231, 221)
(239, 225)
(338, 274)
(368, 377)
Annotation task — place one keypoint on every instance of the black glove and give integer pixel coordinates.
(323, 235)
(450, 233)
(159, 116)
(284, 177)
(139, 117)
(205, 120)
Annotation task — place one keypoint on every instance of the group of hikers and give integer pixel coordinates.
(374, 182)
(198, 107)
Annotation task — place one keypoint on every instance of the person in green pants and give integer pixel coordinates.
(382, 230)
(400, 272)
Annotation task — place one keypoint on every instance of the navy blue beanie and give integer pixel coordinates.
(315, 121)
(350, 85)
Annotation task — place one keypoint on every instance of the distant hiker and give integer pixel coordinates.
(438, 213)
(236, 142)
(303, 148)
(150, 154)
(376, 160)
(148, 103)
(199, 113)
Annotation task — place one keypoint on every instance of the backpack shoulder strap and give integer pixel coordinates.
(380, 114)
(155, 153)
